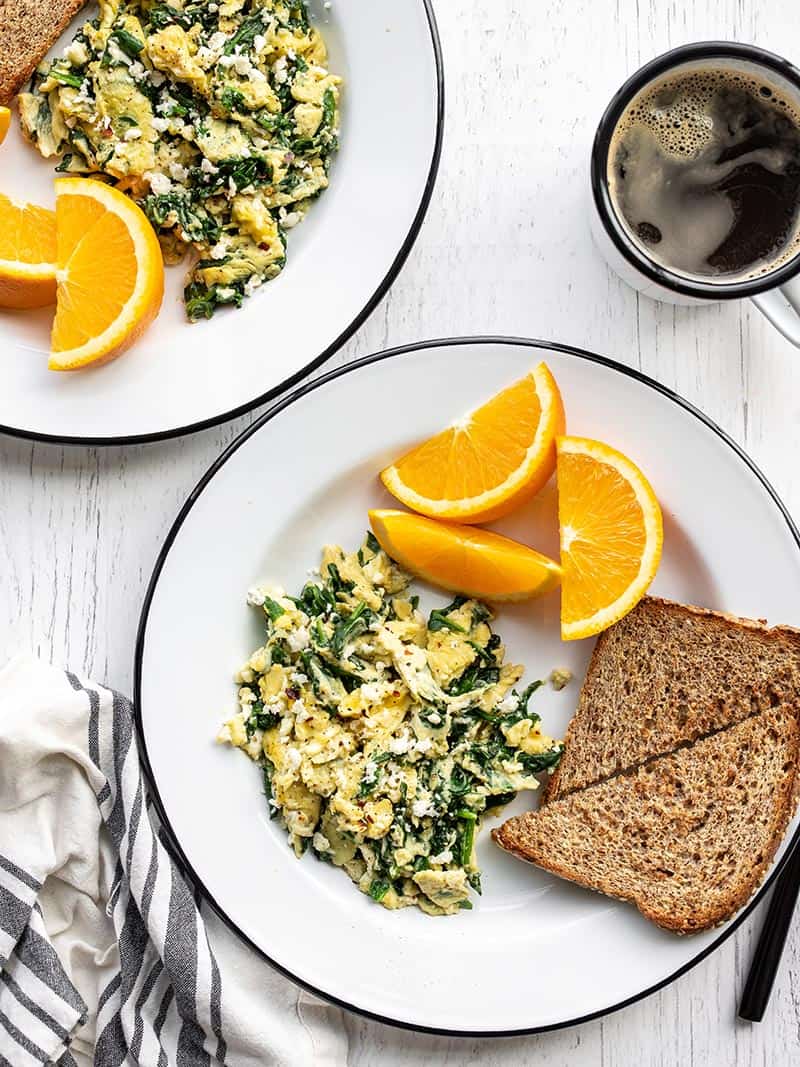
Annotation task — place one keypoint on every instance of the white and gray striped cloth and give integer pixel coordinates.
(103, 945)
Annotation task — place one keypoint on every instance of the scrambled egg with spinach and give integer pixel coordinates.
(383, 736)
(219, 119)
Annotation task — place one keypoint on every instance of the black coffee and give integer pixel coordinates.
(704, 171)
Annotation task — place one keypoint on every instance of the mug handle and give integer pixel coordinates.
(782, 308)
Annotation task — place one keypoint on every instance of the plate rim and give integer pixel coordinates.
(288, 383)
(170, 839)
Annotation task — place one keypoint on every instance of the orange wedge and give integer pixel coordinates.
(488, 462)
(5, 122)
(462, 559)
(110, 274)
(611, 535)
(27, 255)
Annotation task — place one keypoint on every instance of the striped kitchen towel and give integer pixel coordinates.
(104, 950)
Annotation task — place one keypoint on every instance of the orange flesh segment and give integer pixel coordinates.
(100, 287)
(464, 559)
(110, 274)
(611, 535)
(459, 463)
(27, 233)
(604, 558)
(487, 463)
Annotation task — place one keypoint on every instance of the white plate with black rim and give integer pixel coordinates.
(535, 952)
(181, 377)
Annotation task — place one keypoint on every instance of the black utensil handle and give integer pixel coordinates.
(767, 956)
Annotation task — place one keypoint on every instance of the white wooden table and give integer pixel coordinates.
(504, 249)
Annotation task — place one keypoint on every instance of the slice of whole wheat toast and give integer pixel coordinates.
(686, 837)
(27, 30)
(665, 675)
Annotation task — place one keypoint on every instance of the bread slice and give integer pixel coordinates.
(686, 837)
(665, 675)
(27, 30)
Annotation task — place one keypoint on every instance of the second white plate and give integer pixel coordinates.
(340, 261)
(536, 952)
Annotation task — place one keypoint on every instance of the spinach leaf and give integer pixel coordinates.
(328, 108)
(273, 608)
(315, 599)
(232, 99)
(290, 182)
(521, 710)
(279, 654)
(65, 77)
(474, 879)
(348, 629)
(442, 836)
(328, 688)
(432, 716)
(201, 301)
(178, 208)
(201, 264)
(273, 123)
(439, 621)
(128, 42)
(336, 583)
(260, 719)
(480, 613)
(540, 761)
(267, 771)
(487, 654)
(186, 101)
(466, 837)
(487, 753)
(372, 774)
(244, 171)
(162, 15)
(475, 677)
(465, 682)
(379, 889)
(370, 545)
(250, 26)
(460, 781)
(349, 680)
(298, 16)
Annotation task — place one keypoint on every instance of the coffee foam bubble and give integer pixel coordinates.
(676, 108)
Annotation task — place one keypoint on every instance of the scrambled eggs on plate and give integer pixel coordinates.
(383, 736)
(219, 119)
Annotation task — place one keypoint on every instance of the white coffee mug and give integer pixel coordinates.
(777, 293)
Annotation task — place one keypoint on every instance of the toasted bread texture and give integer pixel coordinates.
(666, 675)
(685, 837)
(27, 30)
